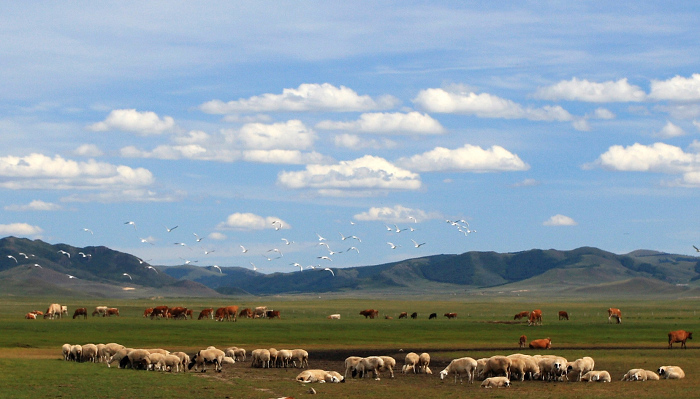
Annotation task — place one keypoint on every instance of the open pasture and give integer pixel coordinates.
(482, 328)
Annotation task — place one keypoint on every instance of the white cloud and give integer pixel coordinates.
(602, 113)
(658, 157)
(247, 118)
(527, 183)
(680, 110)
(251, 221)
(385, 122)
(88, 150)
(115, 195)
(485, 105)
(19, 229)
(670, 130)
(307, 97)
(581, 125)
(35, 205)
(38, 171)
(355, 142)
(559, 220)
(465, 159)
(677, 88)
(131, 120)
(217, 236)
(584, 90)
(288, 157)
(368, 172)
(696, 124)
(290, 135)
(397, 214)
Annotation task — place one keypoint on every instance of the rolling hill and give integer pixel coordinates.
(99, 271)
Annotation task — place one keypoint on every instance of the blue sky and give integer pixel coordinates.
(536, 125)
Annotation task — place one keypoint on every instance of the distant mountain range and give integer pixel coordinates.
(99, 271)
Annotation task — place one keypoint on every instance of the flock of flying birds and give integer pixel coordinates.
(271, 254)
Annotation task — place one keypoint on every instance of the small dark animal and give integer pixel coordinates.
(414, 315)
(563, 315)
(432, 316)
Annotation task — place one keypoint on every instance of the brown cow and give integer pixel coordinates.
(110, 312)
(80, 312)
(159, 311)
(227, 313)
(403, 315)
(679, 336)
(535, 318)
(177, 312)
(147, 312)
(414, 315)
(247, 313)
(522, 341)
(520, 315)
(271, 314)
(189, 313)
(450, 315)
(206, 314)
(30, 316)
(544, 343)
(371, 313)
(563, 315)
(613, 312)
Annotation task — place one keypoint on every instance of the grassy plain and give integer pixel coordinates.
(32, 348)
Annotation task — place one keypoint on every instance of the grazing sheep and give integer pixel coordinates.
(273, 357)
(207, 356)
(89, 353)
(459, 367)
(260, 358)
(367, 364)
(321, 376)
(551, 367)
(389, 364)
(302, 356)
(671, 372)
(240, 354)
(154, 359)
(230, 351)
(525, 366)
(66, 351)
(100, 353)
(118, 357)
(597, 376)
(167, 363)
(410, 363)
(517, 368)
(184, 359)
(480, 366)
(579, 367)
(284, 357)
(496, 382)
(335, 316)
(423, 363)
(494, 366)
(163, 351)
(76, 352)
(351, 365)
(138, 358)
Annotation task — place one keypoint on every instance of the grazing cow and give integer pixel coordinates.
(80, 312)
(30, 316)
(189, 313)
(227, 313)
(520, 315)
(177, 312)
(64, 310)
(110, 312)
(147, 312)
(99, 310)
(206, 314)
(371, 313)
(563, 315)
(53, 311)
(679, 336)
(414, 315)
(544, 343)
(259, 311)
(450, 315)
(613, 312)
(159, 311)
(522, 341)
(403, 315)
(535, 318)
(432, 316)
(247, 313)
(271, 314)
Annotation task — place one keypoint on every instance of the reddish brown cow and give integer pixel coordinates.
(450, 315)
(679, 336)
(535, 318)
(403, 315)
(563, 315)
(30, 316)
(520, 315)
(616, 313)
(522, 341)
(271, 314)
(247, 313)
(371, 313)
(177, 312)
(189, 313)
(205, 314)
(147, 312)
(227, 313)
(110, 312)
(80, 312)
(159, 311)
(544, 343)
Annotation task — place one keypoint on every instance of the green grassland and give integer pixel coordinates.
(33, 348)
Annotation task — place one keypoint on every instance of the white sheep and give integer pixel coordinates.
(89, 353)
(410, 362)
(389, 364)
(101, 353)
(651, 376)
(671, 372)
(184, 359)
(423, 363)
(351, 365)
(118, 357)
(207, 356)
(229, 360)
(273, 357)
(154, 358)
(634, 375)
(66, 351)
(261, 358)
(494, 366)
(496, 382)
(459, 367)
(161, 351)
(239, 354)
(168, 362)
(76, 352)
(302, 356)
(596, 376)
(314, 375)
(284, 357)
(373, 364)
(524, 365)
(139, 357)
(579, 367)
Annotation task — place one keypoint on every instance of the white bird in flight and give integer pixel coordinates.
(415, 244)
(208, 252)
(696, 248)
(297, 265)
(255, 268)
(353, 248)
(131, 223)
(216, 266)
(414, 219)
(145, 241)
(12, 257)
(356, 238)
(392, 245)
(152, 268)
(37, 265)
(287, 242)
(170, 229)
(88, 230)
(69, 276)
(199, 239)
(398, 230)
(342, 237)
(25, 255)
(84, 255)
(329, 269)
(127, 275)
(320, 238)
(243, 249)
(64, 252)
(325, 257)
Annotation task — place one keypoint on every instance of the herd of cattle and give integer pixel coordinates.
(228, 313)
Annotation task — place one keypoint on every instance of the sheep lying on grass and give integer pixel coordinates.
(321, 376)
(596, 376)
(671, 372)
(496, 382)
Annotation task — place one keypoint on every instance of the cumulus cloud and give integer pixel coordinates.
(465, 159)
(527, 183)
(584, 90)
(35, 205)
(368, 172)
(307, 97)
(387, 123)
(395, 214)
(217, 236)
(88, 150)
(602, 113)
(696, 124)
(290, 135)
(251, 221)
(670, 130)
(19, 229)
(38, 171)
(559, 220)
(355, 142)
(115, 195)
(131, 120)
(486, 105)
(677, 88)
